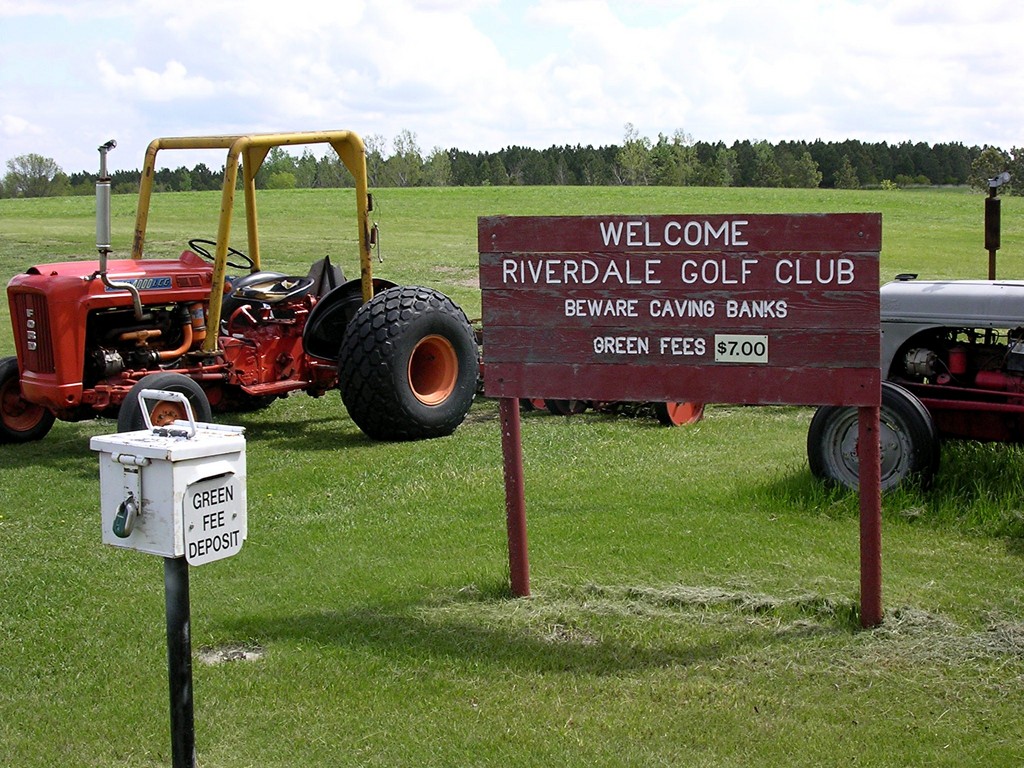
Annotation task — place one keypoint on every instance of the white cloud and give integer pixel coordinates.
(147, 85)
(12, 125)
(483, 74)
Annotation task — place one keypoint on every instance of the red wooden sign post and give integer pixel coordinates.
(746, 309)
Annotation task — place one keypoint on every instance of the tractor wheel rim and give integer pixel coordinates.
(896, 449)
(433, 370)
(682, 413)
(17, 413)
(166, 412)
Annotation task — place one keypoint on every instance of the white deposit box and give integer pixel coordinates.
(175, 491)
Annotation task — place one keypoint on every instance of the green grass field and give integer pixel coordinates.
(695, 592)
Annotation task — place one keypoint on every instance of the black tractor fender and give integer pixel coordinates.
(326, 325)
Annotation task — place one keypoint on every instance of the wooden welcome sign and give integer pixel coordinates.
(725, 309)
(741, 308)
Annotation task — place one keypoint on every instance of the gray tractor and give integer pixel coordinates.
(952, 367)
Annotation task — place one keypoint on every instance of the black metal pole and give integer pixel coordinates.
(992, 220)
(179, 663)
(992, 227)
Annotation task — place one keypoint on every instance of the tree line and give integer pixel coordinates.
(675, 160)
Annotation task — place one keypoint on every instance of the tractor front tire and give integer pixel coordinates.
(130, 418)
(908, 439)
(408, 365)
(20, 420)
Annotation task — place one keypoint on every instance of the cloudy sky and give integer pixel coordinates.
(484, 74)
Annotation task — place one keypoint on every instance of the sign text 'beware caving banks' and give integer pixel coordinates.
(739, 308)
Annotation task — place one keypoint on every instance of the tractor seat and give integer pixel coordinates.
(270, 288)
(260, 289)
(267, 288)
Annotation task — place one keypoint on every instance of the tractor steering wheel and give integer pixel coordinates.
(198, 245)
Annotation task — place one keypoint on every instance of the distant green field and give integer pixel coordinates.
(695, 592)
(428, 235)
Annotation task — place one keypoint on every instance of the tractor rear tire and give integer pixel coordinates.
(130, 418)
(20, 420)
(566, 407)
(408, 365)
(909, 442)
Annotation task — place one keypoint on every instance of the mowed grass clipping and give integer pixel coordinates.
(695, 592)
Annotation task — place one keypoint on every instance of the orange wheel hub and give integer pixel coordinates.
(433, 370)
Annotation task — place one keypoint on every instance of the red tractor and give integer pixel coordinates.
(90, 335)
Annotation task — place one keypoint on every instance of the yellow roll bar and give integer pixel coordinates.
(252, 150)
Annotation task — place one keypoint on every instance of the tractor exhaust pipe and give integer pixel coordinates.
(103, 203)
(103, 231)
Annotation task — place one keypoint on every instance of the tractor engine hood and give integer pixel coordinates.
(955, 303)
(187, 262)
